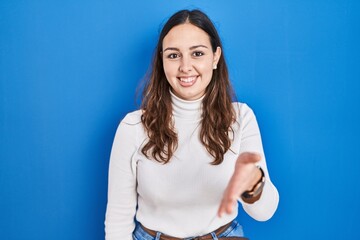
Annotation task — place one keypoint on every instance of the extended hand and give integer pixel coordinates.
(245, 176)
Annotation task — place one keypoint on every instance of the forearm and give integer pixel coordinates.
(265, 207)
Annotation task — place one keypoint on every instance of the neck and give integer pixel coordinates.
(186, 109)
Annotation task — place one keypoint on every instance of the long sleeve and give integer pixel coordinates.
(145, 188)
(122, 196)
(265, 207)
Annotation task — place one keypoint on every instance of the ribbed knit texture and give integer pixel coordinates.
(180, 198)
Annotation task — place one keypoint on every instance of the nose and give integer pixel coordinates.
(185, 64)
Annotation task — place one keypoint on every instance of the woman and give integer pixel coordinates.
(180, 165)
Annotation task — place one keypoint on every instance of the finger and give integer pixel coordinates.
(222, 206)
(221, 209)
(230, 204)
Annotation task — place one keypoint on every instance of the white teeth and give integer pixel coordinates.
(188, 79)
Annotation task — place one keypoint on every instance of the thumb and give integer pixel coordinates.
(249, 157)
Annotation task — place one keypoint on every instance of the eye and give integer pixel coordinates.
(172, 55)
(198, 54)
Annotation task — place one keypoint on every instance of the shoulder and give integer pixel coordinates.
(129, 127)
(243, 110)
(132, 118)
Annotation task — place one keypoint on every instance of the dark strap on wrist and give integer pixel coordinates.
(255, 193)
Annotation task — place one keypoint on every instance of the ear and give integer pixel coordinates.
(217, 55)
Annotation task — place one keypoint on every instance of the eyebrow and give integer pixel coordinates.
(191, 48)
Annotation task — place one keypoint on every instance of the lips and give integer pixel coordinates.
(187, 81)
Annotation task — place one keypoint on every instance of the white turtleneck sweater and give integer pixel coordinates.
(180, 198)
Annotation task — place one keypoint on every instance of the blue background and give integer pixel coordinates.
(69, 72)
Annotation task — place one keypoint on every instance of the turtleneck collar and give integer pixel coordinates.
(186, 109)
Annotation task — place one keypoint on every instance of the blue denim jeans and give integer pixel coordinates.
(234, 230)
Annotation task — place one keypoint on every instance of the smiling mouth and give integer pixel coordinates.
(187, 81)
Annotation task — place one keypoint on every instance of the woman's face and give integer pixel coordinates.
(188, 60)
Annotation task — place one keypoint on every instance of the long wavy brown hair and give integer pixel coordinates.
(218, 113)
